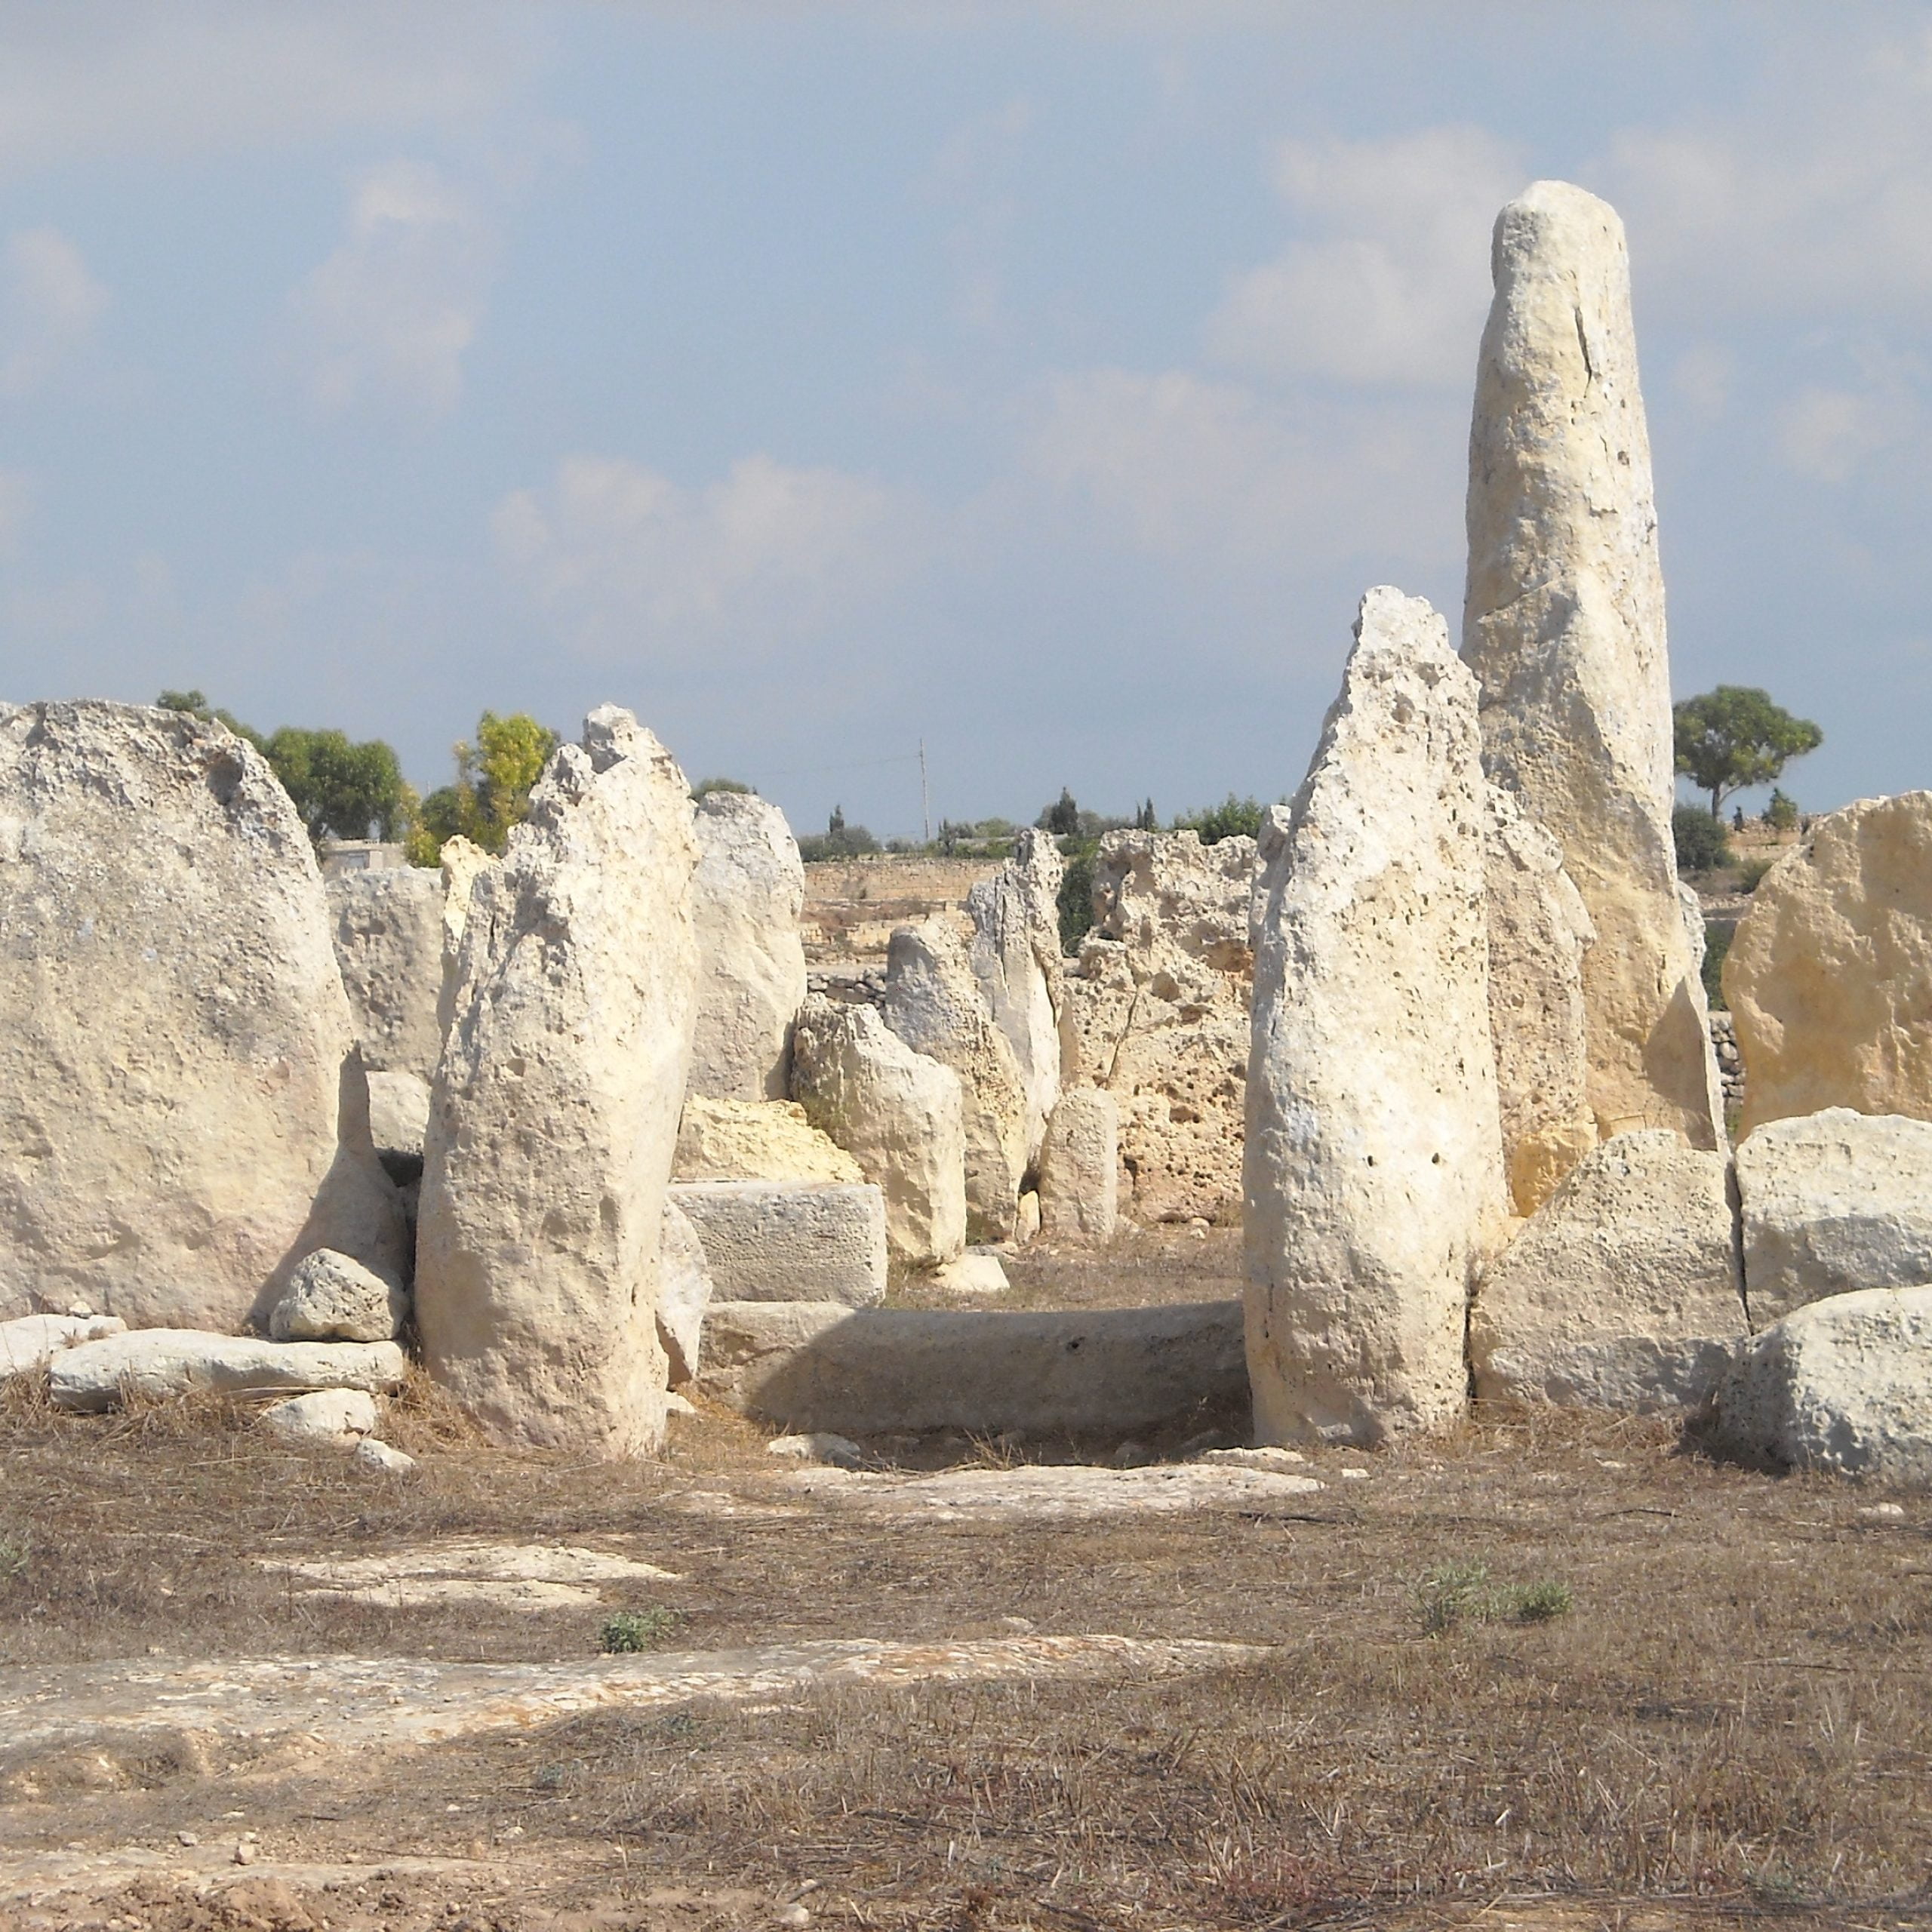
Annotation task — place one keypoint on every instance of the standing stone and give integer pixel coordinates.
(933, 1003)
(749, 894)
(899, 1114)
(683, 1294)
(1829, 974)
(1156, 1010)
(1080, 1166)
(388, 942)
(1015, 957)
(183, 1114)
(1374, 1159)
(1564, 625)
(1538, 933)
(1623, 1292)
(462, 863)
(556, 1106)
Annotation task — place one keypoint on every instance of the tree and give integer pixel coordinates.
(492, 793)
(1062, 818)
(1144, 820)
(196, 706)
(1781, 814)
(1734, 737)
(1233, 818)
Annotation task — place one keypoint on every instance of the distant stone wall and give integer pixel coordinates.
(852, 905)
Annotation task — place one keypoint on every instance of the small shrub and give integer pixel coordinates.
(1781, 814)
(12, 1559)
(1541, 1602)
(1751, 872)
(704, 787)
(1233, 818)
(632, 1630)
(1076, 902)
(1701, 844)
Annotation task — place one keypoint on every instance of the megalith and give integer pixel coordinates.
(183, 1113)
(387, 928)
(1538, 933)
(1564, 625)
(1015, 953)
(747, 898)
(899, 1115)
(1829, 973)
(1080, 1166)
(554, 1116)
(1373, 1167)
(462, 861)
(933, 1003)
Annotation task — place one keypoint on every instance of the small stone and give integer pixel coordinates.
(332, 1297)
(1883, 1512)
(793, 1914)
(187, 1838)
(1025, 1625)
(1270, 1458)
(977, 1271)
(1130, 1456)
(329, 1418)
(1354, 1476)
(379, 1459)
(675, 1404)
(244, 1854)
(822, 1447)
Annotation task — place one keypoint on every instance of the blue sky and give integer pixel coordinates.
(1046, 381)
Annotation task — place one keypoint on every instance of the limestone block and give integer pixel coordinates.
(978, 1271)
(1844, 1385)
(163, 1362)
(462, 863)
(29, 1343)
(1374, 1161)
(1097, 1373)
(1080, 1166)
(1830, 1203)
(933, 1003)
(332, 1297)
(787, 1241)
(556, 1106)
(1015, 955)
(380, 1458)
(182, 1113)
(685, 1295)
(899, 1115)
(1539, 933)
(328, 1419)
(747, 900)
(1564, 625)
(398, 1113)
(1156, 1011)
(1623, 1291)
(757, 1140)
(1829, 974)
(387, 925)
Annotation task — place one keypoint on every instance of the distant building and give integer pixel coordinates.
(361, 855)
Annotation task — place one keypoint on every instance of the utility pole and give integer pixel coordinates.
(925, 797)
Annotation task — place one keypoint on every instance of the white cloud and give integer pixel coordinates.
(1825, 433)
(49, 304)
(16, 503)
(387, 318)
(629, 564)
(1391, 282)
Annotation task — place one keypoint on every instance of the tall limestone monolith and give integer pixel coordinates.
(554, 1117)
(1539, 934)
(1563, 623)
(183, 1114)
(1373, 1159)
(749, 894)
(933, 1003)
(387, 928)
(1015, 956)
(462, 862)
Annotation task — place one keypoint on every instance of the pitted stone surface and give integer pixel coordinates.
(1015, 957)
(387, 925)
(783, 1240)
(184, 1361)
(1080, 1166)
(757, 1140)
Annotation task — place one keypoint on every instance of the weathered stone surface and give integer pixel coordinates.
(398, 1113)
(557, 1099)
(1056, 1492)
(1843, 1385)
(462, 863)
(749, 892)
(1080, 1166)
(899, 1115)
(182, 1115)
(328, 1419)
(387, 925)
(1624, 1290)
(29, 1342)
(1564, 625)
(1104, 1373)
(789, 1241)
(332, 1297)
(1015, 954)
(1374, 1169)
(380, 1459)
(182, 1361)
(757, 1140)
(1156, 1011)
(977, 1271)
(685, 1295)
(1539, 933)
(1830, 1203)
(933, 1003)
(1829, 974)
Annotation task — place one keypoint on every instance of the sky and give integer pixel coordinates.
(1042, 383)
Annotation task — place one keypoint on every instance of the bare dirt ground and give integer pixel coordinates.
(1730, 1723)
(1141, 1268)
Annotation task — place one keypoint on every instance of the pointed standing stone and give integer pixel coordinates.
(1564, 625)
(1374, 1171)
(1017, 959)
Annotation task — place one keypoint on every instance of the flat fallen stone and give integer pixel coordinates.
(182, 1361)
(473, 1557)
(326, 1418)
(29, 1344)
(977, 1271)
(351, 1703)
(1048, 1492)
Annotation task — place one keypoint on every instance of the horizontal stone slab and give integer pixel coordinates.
(182, 1361)
(789, 1241)
(1086, 1372)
